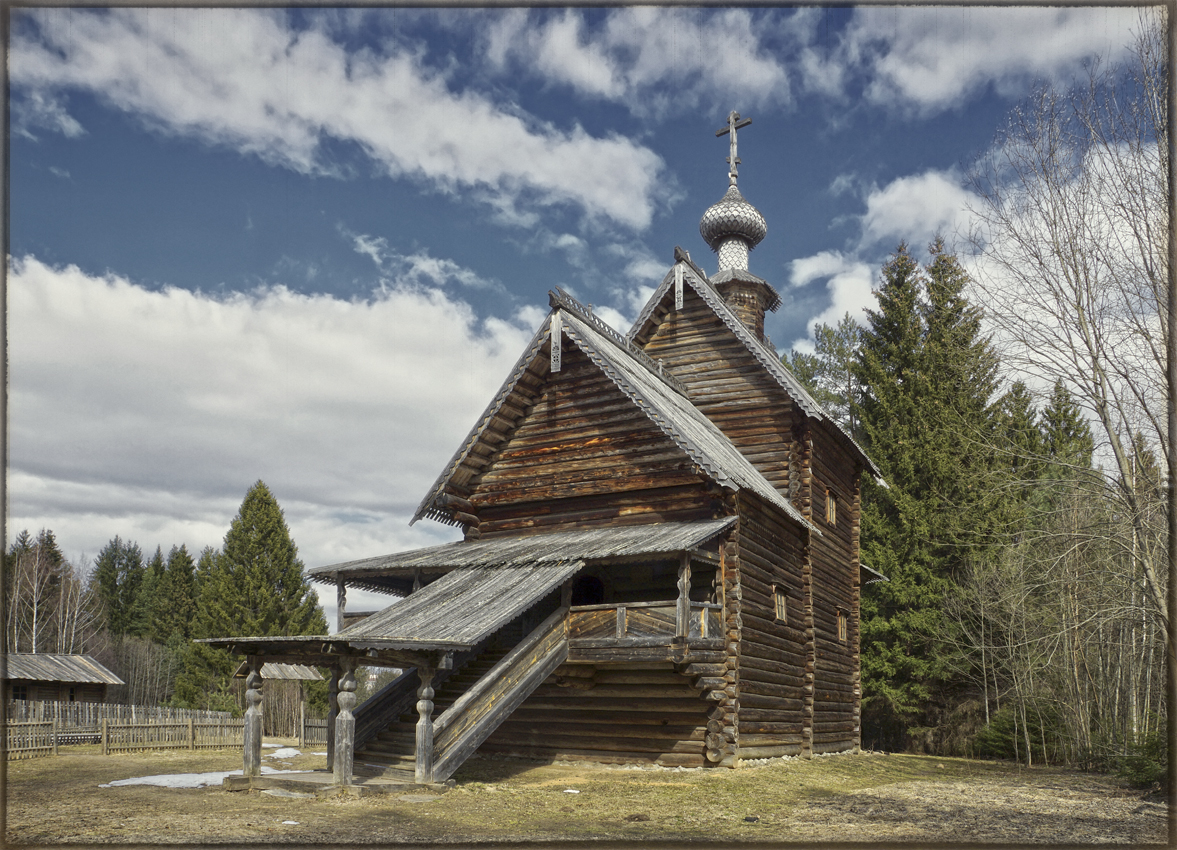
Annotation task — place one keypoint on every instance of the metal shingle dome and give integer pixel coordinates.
(732, 216)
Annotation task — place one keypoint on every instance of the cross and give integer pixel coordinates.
(733, 123)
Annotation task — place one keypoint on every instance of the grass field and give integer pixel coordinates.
(874, 798)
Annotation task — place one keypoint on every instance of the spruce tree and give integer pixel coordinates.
(175, 598)
(116, 580)
(253, 587)
(927, 377)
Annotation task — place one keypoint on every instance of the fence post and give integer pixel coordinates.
(54, 733)
(302, 724)
(105, 750)
(191, 734)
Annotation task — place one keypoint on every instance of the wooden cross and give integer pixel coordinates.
(733, 123)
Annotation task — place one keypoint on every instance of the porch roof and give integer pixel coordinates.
(584, 545)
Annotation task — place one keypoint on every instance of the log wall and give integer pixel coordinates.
(586, 455)
(774, 654)
(835, 591)
(727, 383)
(620, 715)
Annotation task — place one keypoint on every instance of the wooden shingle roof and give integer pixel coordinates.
(43, 667)
(465, 605)
(584, 545)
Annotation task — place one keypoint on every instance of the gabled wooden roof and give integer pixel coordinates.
(693, 277)
(42, 667)
(286, 672)
(659, 396)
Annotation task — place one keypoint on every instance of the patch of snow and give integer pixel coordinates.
(187, 780)
(290, 822)
(284, 753)
(271, 745)
(571, 791)
(318, 754)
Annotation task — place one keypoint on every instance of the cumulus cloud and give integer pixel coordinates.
(914, 209)
(849, 281)
(246, 80)
(649, 59)
(934, 58)
(148, 414)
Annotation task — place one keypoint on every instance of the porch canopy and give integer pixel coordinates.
(478, 587)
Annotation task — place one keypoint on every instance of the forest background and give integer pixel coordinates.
(1023, 446)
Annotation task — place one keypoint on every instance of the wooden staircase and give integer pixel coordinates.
(391, 753)
(468, 705)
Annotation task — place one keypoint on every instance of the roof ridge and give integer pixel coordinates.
(561, 299)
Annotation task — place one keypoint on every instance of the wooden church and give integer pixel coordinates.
(660, 560)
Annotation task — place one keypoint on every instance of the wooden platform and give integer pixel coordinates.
(321, 783)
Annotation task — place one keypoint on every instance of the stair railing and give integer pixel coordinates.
(462, 728)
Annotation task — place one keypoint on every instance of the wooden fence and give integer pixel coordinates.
(314, 731)
(91, 714)
(182, 735)
(32, 740)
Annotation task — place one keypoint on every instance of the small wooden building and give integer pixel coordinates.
(64, 678)
(661, 553)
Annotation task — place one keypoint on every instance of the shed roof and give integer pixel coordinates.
(293, 672)
(587, 544)
(465, 605)
(42, 667)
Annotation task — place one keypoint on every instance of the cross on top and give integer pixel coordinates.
(733, 123)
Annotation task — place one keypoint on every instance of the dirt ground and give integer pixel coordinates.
(861, 798)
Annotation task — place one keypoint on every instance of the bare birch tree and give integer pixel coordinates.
(1071, 233)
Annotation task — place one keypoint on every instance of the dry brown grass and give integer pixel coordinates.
(845, 798)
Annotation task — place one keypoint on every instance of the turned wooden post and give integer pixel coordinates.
(345, 724)
(332, 713)
(253, 718)
(682, 619)
(423, 770)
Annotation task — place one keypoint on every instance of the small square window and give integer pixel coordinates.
(20, 691)
(779, 598)
(831, 508)
(842, 625)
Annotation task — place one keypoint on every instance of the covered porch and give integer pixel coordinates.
(461, 596)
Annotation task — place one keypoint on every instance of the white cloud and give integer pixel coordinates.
(418, 268)
(148, 414)
(243, 79)
(914, 209)
(650, 59)
(934, 58)
(849, 281)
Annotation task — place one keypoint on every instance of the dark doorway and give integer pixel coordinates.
(588, 590)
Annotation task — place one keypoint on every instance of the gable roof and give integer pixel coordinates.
(42, 667)
(694, 277)
(660, 397)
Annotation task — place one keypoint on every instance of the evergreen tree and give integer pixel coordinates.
(927, 378)
(143, 608)
(254, 586)
(175, 598)
(1066, 433)
(828, 373)
(116, 580)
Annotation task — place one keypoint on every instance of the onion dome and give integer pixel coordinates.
(731, 228)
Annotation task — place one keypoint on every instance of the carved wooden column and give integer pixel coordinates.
(345, 724)
(423, 771)
(253, 718)
(682, 625)
(340, 603)
(332, 713)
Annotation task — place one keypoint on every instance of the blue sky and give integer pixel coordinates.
(306, 246)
